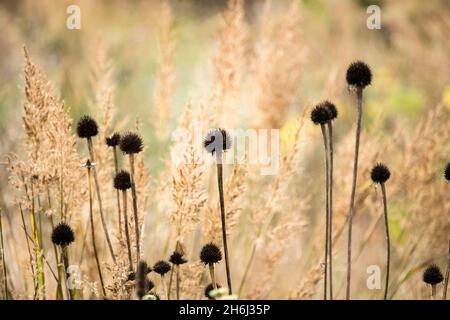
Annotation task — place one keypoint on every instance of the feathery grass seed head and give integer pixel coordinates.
(217, 140)
(380, 173)
(63, 235)
(131, 142)
(122, 180)
(359, 75)
(210, 254)
(87, 127)
(432, 275)
(161, 267)
(113, 141)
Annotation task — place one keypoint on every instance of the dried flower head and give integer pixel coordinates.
(447, 172)
(122, 180)
(210, 254)
(63, 235)
(177, 258)
(432, 275)
(320, 114)
(131, 143)
(217, 140)
(359, 74)
(380, 173)
(113, 141)
(331, 108)
(161, 267)
(209, 288)
(87, 127)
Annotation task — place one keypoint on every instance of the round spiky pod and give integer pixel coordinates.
(331, 108)
(62, 235)
(209, 288)
(210, 254)
(320, 114)
(161, 267)
(359, 75)
(447, 172)
(113, 141)
(87, 127)
(122, 180)
(380, 173)
(177, 258)
(217, 140)
(131, 142)
(432, 275)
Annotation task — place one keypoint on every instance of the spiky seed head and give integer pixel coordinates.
(320, 114)
(122, 180)
(87, 127)
(161, 267)
(432, 275)
(113, 141)
(380, 173)
(447, 172)
(210, 254)
(217, 140)
(209, 288)
(131, 142)
(62, 235)
(331, 108)
(359, 75)
(177, 258)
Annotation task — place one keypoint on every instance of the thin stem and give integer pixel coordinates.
(352, 197)
(116, 170)
(127, 232)
(37, 248)
(99, 199)
(164, 286)
(2, 251)
(213, 276)
(27, 238)
(447, 274)
(170, 281)
(327, 166)
(330, 207)
(222, 214)
(388, 241)
(65, 259)
(433, 292)
(247, 270)
(135, 209)
(59, 293)
(91, 216)
(178, 281)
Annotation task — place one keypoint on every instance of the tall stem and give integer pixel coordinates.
(116, 169)
(99, 199)
(172, 271)
(91, 216)
(222, 214)
(352, 197)
(327, 165)
(127, 233)
(447, 274)
(65, 259)
(388, 241)
(330, 206)
(213, 276)
(178, 281)
(2, 251)
(433, 292)
(135, 209)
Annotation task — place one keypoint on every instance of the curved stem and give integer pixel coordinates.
(388, 241)
(135, 209)
(330, 207)
(325, 143)
(352, 197)
(127, 233)
(99, 199)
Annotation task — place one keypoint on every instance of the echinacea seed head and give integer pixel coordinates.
(177, 258)
(380, 173)
(447, 172)
(161, 267)
(210, 254)
(62, 235)
(131, 143)
(331, 108)
(432, 275)
(209, 288)
(122, 180)
(87, 127)
(217, 140)
(320, 114)
(359, 75)
(113, 141)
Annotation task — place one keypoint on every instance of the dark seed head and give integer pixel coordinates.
(209, 288)
(149, 284)
(161, 267)
(131, 143)
(177, 258)
(380, 173)
(359, 75)
(122, 180)
(432, 275)
(87, 127)
(210, 254)
(217, 140)
(113, 141)
(447, 172)
(320, 114)
(62, 235)
(331, 108)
